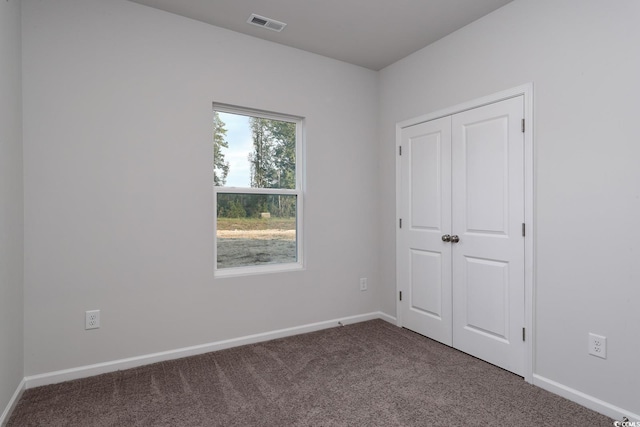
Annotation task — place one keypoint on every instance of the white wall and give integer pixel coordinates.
(118, 182)
(11, 240)
(582, 56)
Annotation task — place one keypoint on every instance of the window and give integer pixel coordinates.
(257, 184)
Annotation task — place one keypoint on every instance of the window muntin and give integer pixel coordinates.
(257, 191)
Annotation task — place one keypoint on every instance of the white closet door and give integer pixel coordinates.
(424, 260)
(488, 212)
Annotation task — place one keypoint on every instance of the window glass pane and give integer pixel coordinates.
(255, 229)
(254, 152)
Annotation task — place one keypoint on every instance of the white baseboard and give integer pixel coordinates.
(387, 318)
(4, 418)
(132, 362)
(584, 399)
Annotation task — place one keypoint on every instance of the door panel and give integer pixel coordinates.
(425, 180)
(426, 283)
(424, 260)
(487, 297)
(488, 212)
(486, 168)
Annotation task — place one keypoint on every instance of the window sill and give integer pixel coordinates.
(257, 269)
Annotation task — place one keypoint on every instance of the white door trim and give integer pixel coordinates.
(525, 90)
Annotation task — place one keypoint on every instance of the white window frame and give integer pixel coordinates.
(298, 192)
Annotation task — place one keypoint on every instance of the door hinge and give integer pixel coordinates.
(400, 150)
(523, 125)
(523, 334)
(400, 295)
(524, 230)
(400, 222)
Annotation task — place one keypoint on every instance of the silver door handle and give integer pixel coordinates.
(455, 239)
(446, 238)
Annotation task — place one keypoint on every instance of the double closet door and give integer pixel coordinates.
(460, 246)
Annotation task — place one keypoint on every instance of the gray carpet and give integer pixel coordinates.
(367, 374)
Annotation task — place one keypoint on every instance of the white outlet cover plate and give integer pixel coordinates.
(598, 345)
(92, 319)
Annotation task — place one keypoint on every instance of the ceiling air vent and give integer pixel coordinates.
(263, 22)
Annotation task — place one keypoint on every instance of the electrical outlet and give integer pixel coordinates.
(363, 284)
(598, 345)
(92, 319)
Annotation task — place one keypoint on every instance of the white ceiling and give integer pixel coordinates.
(369, 33)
